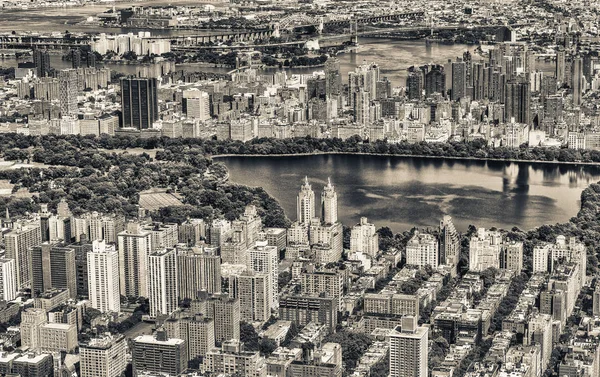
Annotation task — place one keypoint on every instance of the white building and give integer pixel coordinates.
(409, 349)
(103, 357)
(162, 282)
(197, 104)
(484, 250)
(364, 238)
(103, 277)
(264, 258)
(305, 203)
(134, 246)
(8, 279)
(422, 250)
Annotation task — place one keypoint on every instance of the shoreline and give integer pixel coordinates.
(217, 156)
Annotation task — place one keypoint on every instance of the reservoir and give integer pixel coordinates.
(403, 192)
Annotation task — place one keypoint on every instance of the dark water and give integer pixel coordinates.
(405, 192)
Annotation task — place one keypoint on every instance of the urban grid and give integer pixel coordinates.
(128, 247)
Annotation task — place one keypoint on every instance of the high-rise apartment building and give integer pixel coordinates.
(409, 349)
(253, 290)
(159, 354)
(8, 279)
(196, 104)
(103, 275)
(219, 231)
(41, 60)
(135, 244)
(265, 259)
(198, 332)
(53, 266)
(305, 203)
(68, 91)
(303, 309)
(422, 250)
(435, 81)
(511, 256)
(517, 102)
(330, 282)
(364, 238)
(226, 314)
(459, 80)
(17, 243)
(163, 286)
(139, 102)
(199, 270)
(449, 239)
(414, 84)
(105, 356)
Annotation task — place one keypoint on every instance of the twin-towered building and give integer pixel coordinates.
(322, 232)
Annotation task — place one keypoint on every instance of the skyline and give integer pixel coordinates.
(292, 188)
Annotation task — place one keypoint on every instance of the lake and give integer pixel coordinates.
(402, 192)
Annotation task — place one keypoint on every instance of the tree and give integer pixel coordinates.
(249, 336)
(353, 345)
(267, 346)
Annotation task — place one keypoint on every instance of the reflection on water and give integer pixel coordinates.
(406, 192)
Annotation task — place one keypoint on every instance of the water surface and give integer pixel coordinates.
(404, 192)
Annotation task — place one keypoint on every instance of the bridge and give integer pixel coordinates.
(378, 33)
(288, 23)
(40, 41)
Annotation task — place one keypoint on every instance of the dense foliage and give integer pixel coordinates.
(97, 180)
(353, 345)
(476, 149)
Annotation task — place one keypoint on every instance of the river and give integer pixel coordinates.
(402, 192)
(393, 56)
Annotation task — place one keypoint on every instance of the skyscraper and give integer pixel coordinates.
(305, 203)
(263, 258)
(196, 104)
(409, 349)
(17, 243)
(162, 282)
(252, 288)
(199, 270)
(103, 277)
(53, 266)
(333, 79)
(435, 81)
(560, 66)
(329, 213)
(68, 91)
(449, 241)
(459, 80)
(226, 314)
(414, 83)
(517, 101)
(139, 102)
(76, 58)
(8, 279)
(134, 246)
(41, 60)
(577, 80)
